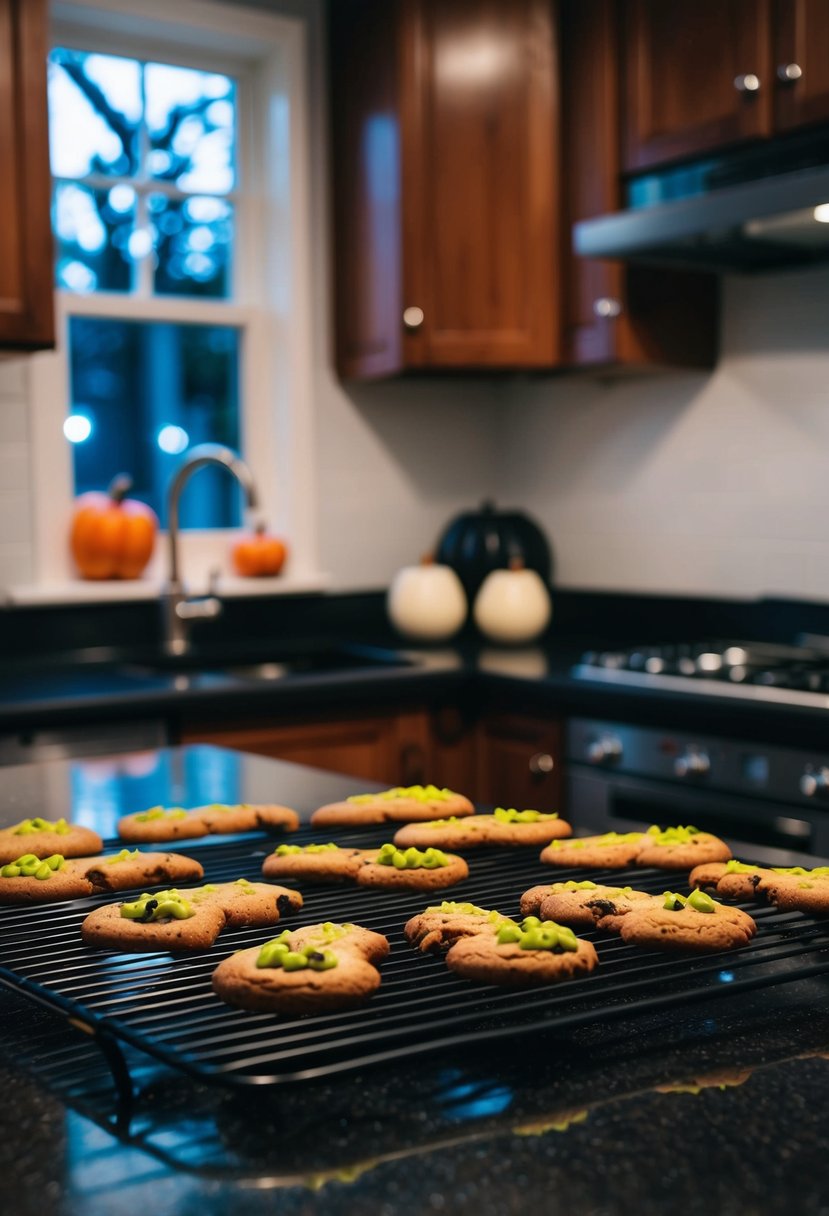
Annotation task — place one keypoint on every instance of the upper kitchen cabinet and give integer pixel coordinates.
(801, 63)
(26, 294)
(446, 189)
(616, 315)
(698, 76)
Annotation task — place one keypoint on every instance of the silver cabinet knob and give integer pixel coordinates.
(815, 784)
(413, 317)
(606, 306)
(541, 763)
(692, 763)
(747, 83)
(604, 750)
(789, 72)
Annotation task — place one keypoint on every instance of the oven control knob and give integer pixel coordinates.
(815, 783)
(692, 763)
(604, 750)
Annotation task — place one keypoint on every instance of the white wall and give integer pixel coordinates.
(16, 564)
(691, 483)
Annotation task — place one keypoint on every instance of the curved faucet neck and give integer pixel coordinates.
(200, 457)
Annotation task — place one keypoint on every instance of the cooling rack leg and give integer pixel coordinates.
(121, 1077)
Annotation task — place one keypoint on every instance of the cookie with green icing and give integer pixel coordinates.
(160, 824)
(505, 826)
(314, 969)
(439, 926)
(45, 837)
(582, 903)
(315, 863)
(609, 851)
(413, 869)
(795, 889)
(680, 848)
(695, 923)
(402, 804)
(187, 918)
(523, 954)
(59, 878)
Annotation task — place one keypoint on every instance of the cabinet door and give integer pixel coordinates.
(479, 122)
(519, 763)
(616, 315)
(802, 66)
(26, 295)
(393, 748)
(691, 72)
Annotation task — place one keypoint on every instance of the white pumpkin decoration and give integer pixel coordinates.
(512, 605)
(427, 601)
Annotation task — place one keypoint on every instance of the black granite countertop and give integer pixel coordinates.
(715, 1106)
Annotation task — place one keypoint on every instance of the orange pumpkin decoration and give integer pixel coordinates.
(112, 536)
(259, 555)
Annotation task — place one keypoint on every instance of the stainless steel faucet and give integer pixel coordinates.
(179, 611)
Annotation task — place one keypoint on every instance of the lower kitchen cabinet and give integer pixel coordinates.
(519, 762)
(509, 760)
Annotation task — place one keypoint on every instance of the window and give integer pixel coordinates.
(179, 158)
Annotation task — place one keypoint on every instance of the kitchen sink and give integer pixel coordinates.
(318, 661)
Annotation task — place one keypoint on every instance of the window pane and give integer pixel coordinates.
(191, 118)
(142, 394)
(193, 240)
(94, 236)
(94, 112)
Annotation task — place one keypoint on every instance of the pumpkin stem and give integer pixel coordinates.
(260, 527)
(428, 559)
(516, 563)
(120, 487)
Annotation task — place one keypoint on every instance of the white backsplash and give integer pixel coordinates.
(708, 484)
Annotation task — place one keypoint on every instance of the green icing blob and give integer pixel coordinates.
(739, 867)
(30, 866)
(670, 836)
(674, 902)
(798, 871)
(451, 908)
(164, 905)
(513, 816)
(278, 953)
(124, 855)
(471, 822)
(420, 793)
(572, 885)
(535, 934)
(29, 826)
(289, 850)
(158, 812)
(412, 858)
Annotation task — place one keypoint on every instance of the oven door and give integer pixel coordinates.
(604, 802)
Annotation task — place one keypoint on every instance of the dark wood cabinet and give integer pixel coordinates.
(698, 76)
(615, 315)
(801, 63)
(444, 121)
(519, 762)
(504, 759)
(26, 292)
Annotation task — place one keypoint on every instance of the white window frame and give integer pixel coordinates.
(269, 55)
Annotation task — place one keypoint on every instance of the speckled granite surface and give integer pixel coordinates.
(719, 1109)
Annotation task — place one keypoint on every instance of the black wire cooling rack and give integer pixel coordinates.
(165, 1007)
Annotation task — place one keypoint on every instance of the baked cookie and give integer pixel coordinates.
(732, 879)
(794, 889)
(44, 837)
(188, 919)
(403, 804)
(309, 970)
(314, 862)
(610, 851)
(583, 904)
(518, 955)
(30, 880)
(411, 869)
(680, 848)
(688, 922)
(439, 927)
(502, 827)
(159, 824)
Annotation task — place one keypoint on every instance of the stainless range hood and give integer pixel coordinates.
(776, 222)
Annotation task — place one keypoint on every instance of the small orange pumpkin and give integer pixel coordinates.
(259, 555)
(112, 536)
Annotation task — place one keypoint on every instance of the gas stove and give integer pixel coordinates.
(758, 671)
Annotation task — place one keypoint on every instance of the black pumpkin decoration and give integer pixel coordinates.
(478, 542)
